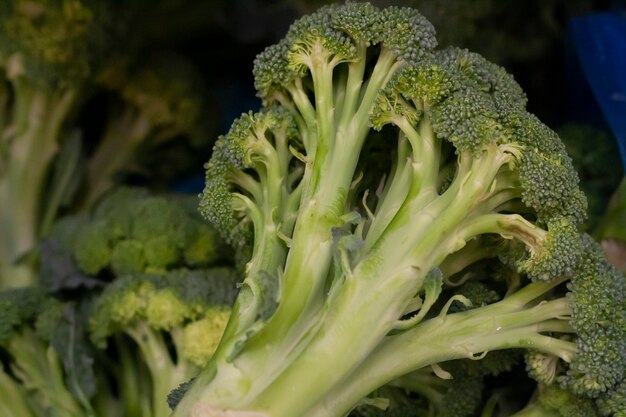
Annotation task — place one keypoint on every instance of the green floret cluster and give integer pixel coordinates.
(176, 320)
(131, 231)
(601, 331)
(112, 340)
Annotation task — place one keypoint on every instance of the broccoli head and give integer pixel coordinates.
(129, 232)
(376, 189)
(176, 320)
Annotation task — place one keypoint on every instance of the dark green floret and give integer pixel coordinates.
(613, 402)
(597, 293)
(133, 232)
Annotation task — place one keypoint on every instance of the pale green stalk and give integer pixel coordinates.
(504, 325)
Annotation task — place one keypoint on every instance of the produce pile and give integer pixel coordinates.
(391, 234)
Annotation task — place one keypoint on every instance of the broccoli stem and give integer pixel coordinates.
(503, 325)
(395, 192)
(423, 382)
(133, 387)
(308, 334)
(474, 251)
(324, 193)
(305, 114)
(415, 183)
(165, 374)
(13, 398)
(385, 67)
(268, 250)
(353, 85)
(369, 306)
(322, 74)
(34, 140)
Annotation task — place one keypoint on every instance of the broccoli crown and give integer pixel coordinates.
(452, 102)
(131, 232)
(20, 306)
(596, 294)
(472, 103)
(341, 30)
(249, 144)
(53, 43)
(195, 301)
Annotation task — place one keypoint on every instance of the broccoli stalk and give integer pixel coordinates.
(340, 293)
(33, 137)
(13, 398)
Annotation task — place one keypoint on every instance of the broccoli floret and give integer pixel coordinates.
(348, 283)
(186, 310)
(131, 232)
(596, 295)
(613, 402)
(50, 43)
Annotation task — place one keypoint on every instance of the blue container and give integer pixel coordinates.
(600, 45)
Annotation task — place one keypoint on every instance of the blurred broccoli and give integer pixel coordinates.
(129, 232)
(57, 59)
(176, 320)
(48, 51)
(48, 362)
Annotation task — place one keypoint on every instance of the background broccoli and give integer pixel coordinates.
(132, 300)
(131, 231)
(176, 320)
(62, 64)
